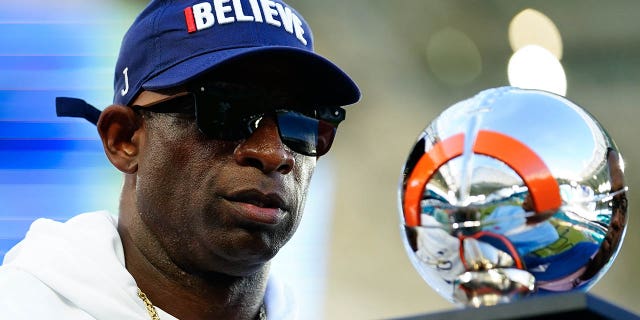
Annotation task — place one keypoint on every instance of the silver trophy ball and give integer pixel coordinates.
(512, 193)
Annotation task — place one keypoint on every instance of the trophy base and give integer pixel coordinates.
(572, 305)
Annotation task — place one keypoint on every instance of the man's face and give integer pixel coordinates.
(218, 206)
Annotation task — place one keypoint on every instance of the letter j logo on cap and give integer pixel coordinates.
(124, 91)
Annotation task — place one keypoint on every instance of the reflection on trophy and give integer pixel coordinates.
(513, 193)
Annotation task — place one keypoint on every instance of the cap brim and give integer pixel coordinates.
(310, 74)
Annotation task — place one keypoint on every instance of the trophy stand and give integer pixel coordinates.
(570, 305)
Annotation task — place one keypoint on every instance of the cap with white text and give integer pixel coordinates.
(173, 42)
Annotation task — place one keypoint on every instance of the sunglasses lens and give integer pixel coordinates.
(305, 135)
(217, 120)
(326, 133)
(225, 116)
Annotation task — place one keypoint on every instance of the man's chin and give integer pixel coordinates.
(240, 263)
(241, 252)
(236, 269)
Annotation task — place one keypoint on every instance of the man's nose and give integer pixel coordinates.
(264, 150)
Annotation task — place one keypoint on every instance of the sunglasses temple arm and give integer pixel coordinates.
(72, 107)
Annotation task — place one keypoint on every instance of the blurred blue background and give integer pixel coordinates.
(52, 167)
(411, 58)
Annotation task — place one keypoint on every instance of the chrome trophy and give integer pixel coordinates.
(512, 193)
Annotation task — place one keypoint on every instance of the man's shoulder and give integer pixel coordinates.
(19, 285)
(68, 270)
(94, 219)
(23, 296)
(45, 234)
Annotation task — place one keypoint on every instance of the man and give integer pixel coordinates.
(221, 110)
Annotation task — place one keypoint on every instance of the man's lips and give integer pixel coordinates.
(256, 206)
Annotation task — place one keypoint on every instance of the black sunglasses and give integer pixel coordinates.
(228, 113)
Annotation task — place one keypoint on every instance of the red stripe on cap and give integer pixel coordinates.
(191, 21)
(543, 188)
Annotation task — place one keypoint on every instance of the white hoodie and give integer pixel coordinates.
(76, 270)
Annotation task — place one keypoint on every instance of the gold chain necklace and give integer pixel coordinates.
(151, 310)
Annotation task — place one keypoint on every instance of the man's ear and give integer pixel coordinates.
(120, 129)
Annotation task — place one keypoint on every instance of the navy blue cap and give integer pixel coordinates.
(173, 42)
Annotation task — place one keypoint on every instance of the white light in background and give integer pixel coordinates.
(534, 67)
(533, 27)
(537, 47)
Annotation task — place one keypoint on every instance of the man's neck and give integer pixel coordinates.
(187, 295)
